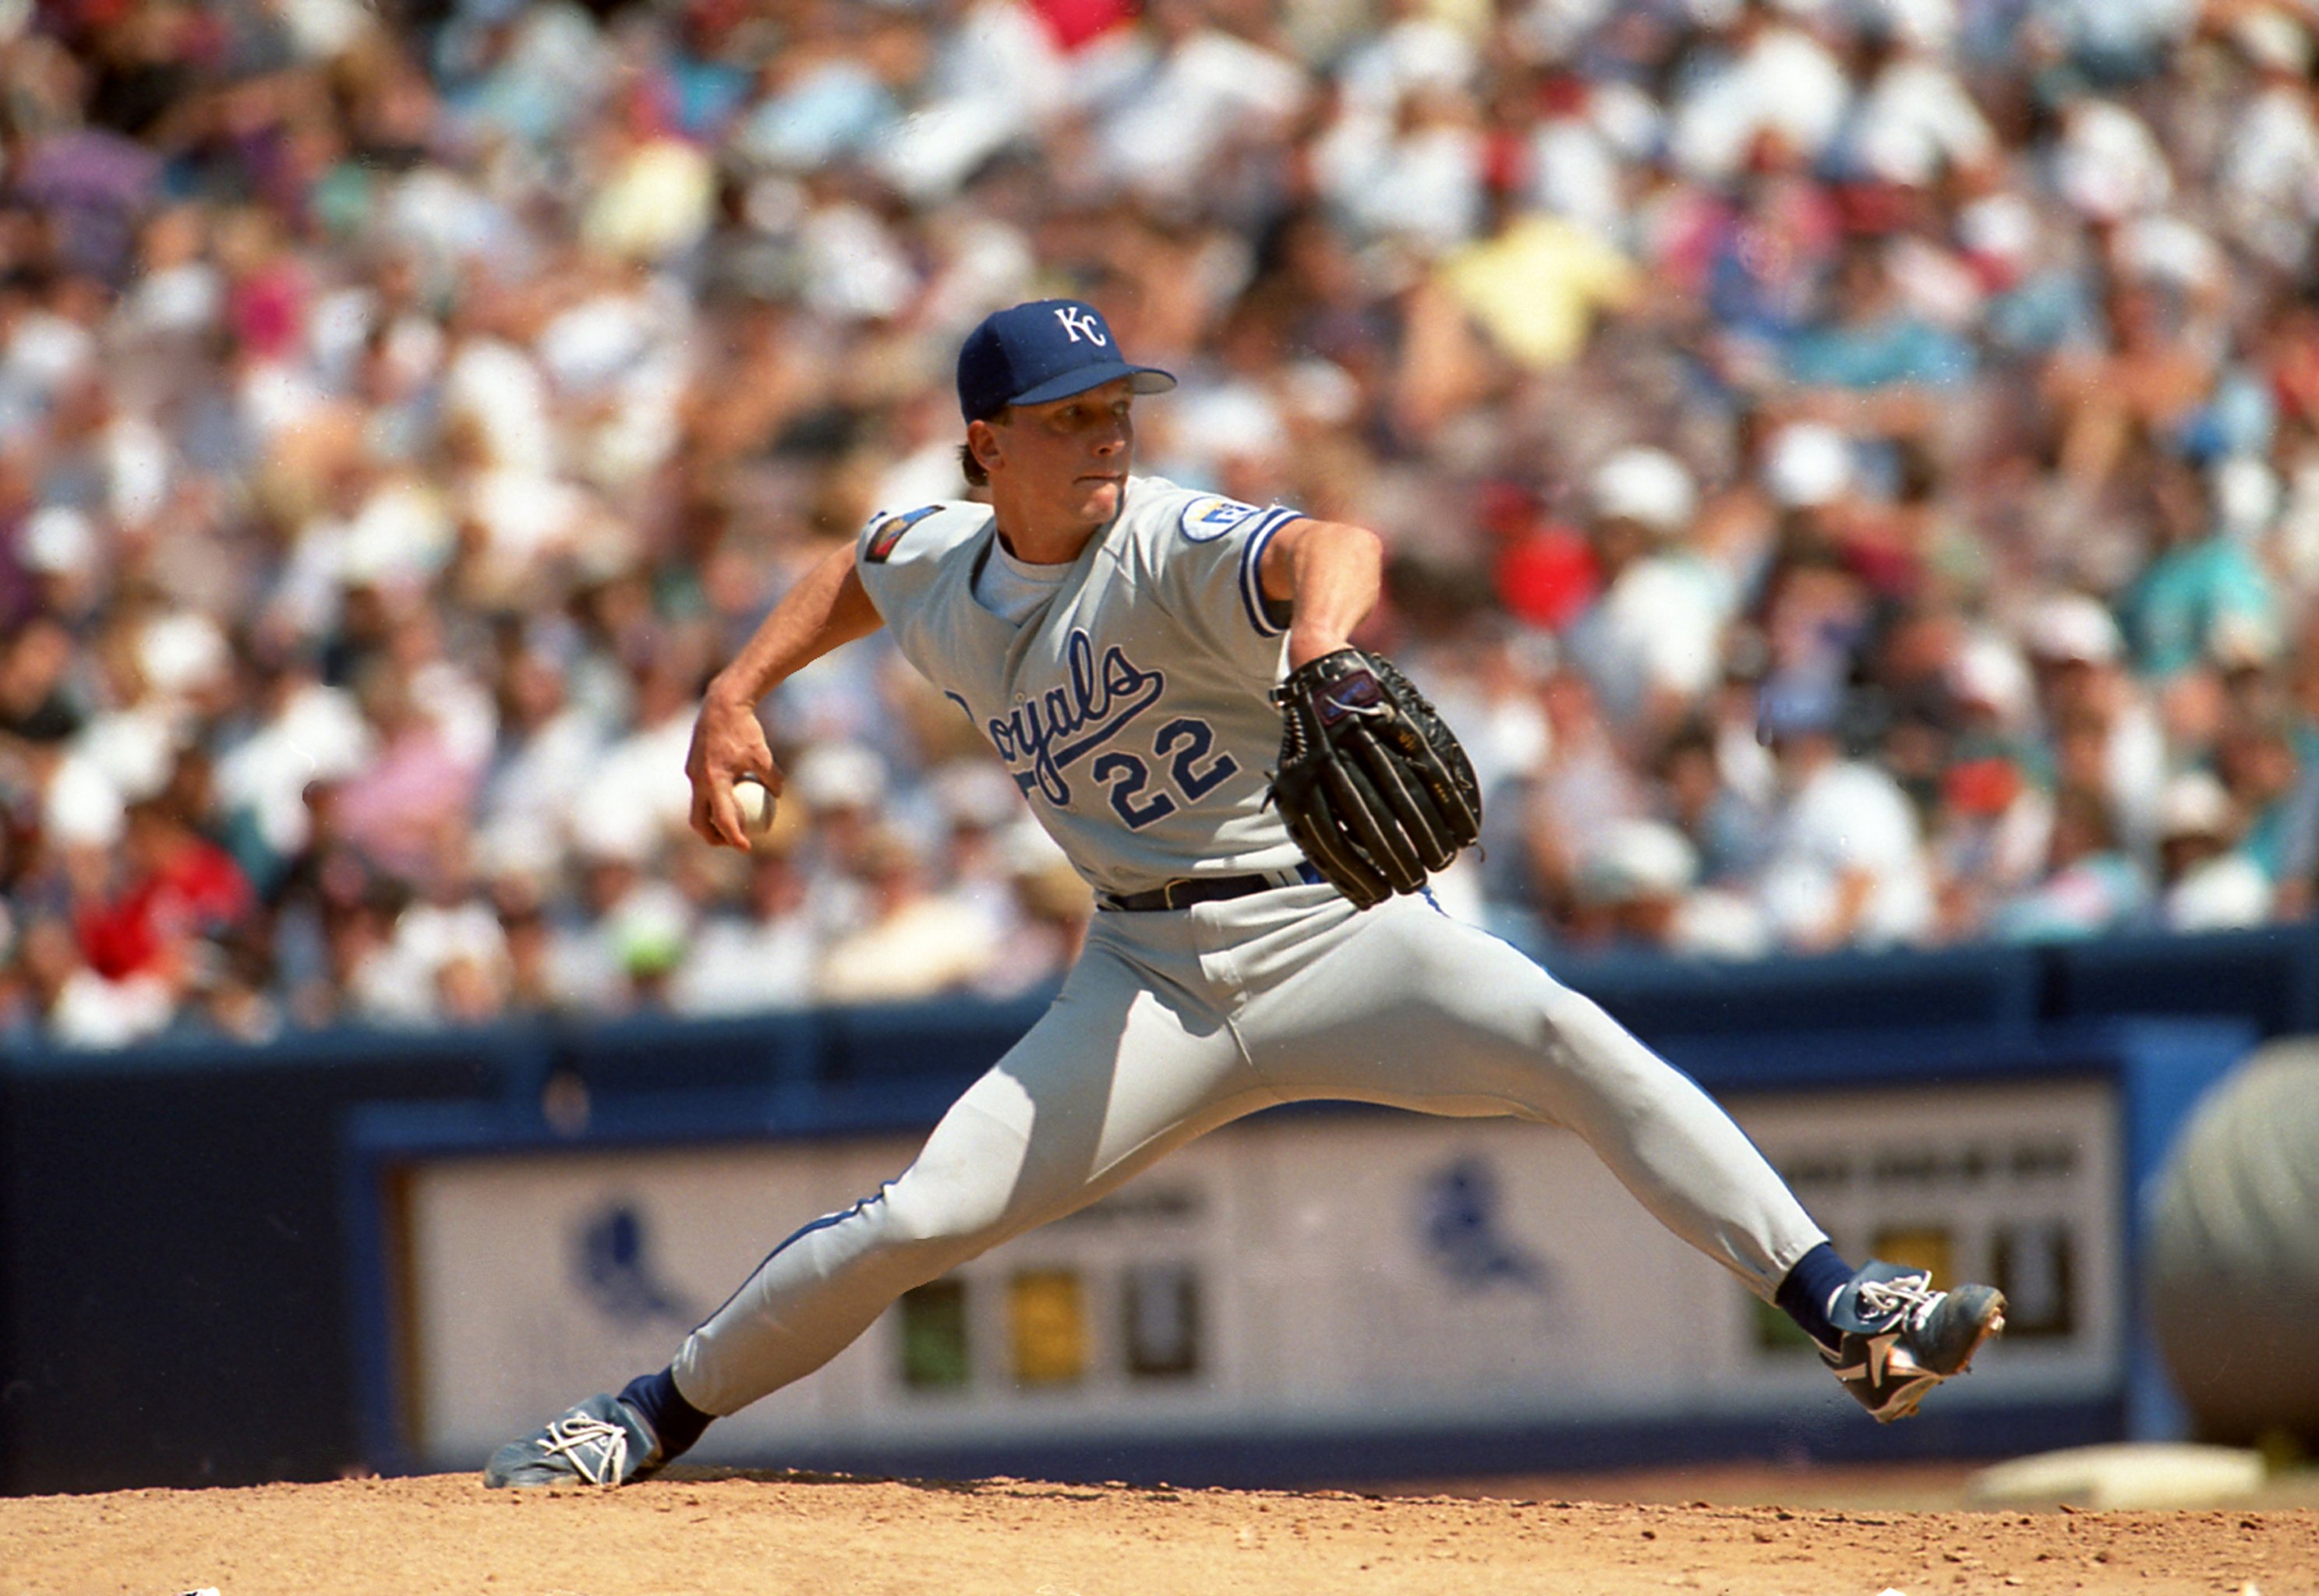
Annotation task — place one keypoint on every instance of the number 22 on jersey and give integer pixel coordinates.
(1182, 748)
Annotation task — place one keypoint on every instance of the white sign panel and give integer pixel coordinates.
(1353, 1271)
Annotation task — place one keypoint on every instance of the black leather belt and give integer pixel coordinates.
(1187, 890)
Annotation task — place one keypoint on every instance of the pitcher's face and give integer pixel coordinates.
(1061, 466)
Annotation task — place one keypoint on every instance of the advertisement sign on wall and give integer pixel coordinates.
(1305, 1271)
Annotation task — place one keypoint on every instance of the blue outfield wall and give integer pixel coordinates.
(2158, 1068)
(182, 1302)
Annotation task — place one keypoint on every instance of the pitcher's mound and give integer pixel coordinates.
(818, 1536)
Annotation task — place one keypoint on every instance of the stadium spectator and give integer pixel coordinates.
(399, 404)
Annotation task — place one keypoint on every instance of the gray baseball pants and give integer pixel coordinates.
(1173, 1023)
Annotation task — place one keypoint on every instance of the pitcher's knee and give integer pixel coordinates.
(1565, 1016)
(1592, 1044)
(951, 1218)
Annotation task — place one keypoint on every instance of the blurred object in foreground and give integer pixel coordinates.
(2235, 1252)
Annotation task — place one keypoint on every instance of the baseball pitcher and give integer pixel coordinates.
(1258, 804)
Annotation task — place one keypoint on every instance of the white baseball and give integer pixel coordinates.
(756, 803)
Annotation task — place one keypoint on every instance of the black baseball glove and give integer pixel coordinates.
(1372, 784)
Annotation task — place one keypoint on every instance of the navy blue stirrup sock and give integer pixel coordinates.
(676, 1421)
(1804, 1295)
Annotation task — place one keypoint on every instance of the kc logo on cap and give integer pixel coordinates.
(1077, 319)
(1042, 351)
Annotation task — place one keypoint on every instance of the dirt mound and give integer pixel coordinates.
(804, 1535)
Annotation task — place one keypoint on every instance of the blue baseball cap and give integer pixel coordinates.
(1047, 350)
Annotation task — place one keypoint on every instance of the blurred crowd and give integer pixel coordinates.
(1851, 467)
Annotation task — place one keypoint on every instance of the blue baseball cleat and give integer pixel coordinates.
(603, 1441)
(1897, 1337)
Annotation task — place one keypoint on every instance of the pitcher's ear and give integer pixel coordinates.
(982, 444)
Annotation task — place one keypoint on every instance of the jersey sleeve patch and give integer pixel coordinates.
(1209, 518)
(884, 535)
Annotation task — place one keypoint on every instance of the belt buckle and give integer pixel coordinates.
(1168, 893)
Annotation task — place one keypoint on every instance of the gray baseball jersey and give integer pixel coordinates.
(1130, 706)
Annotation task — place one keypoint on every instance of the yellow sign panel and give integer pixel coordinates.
(1046, 1314)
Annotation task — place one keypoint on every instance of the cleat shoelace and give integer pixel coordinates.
(1910, 1299)
(597, 1448)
